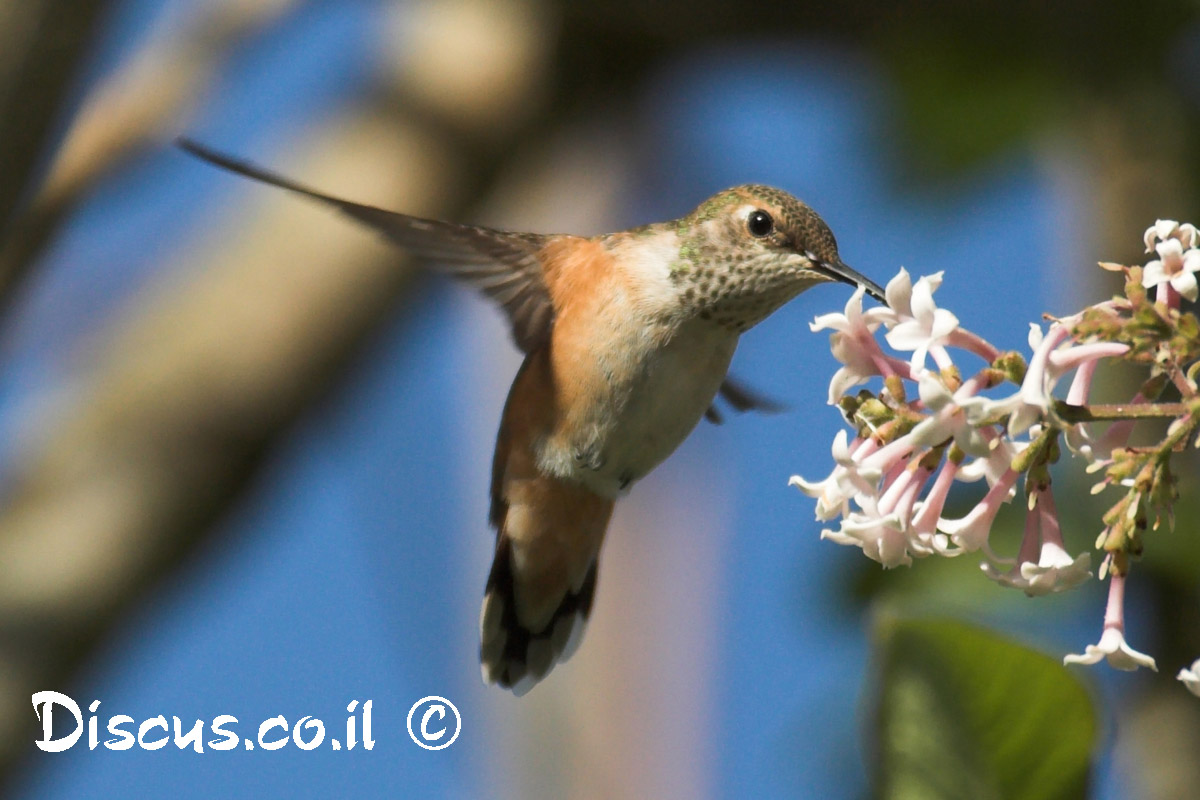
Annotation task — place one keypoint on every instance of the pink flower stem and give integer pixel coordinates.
(1182, 384)
(889, 365)
(972, 386)
(972, 342)
(1031, 543)
(990, 504)
(1114, 611)
(1086, 353)
(881, 363)
(927, 517)
(1081, 384)
(985, 512)
(861, 448)
(895, 484)
(1048, 514)
(1166, 295)
(904, 506)
(886, 457)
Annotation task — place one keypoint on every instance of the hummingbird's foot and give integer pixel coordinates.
(589, 457)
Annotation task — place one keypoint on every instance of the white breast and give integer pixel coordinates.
(648, 414)
(677, 387)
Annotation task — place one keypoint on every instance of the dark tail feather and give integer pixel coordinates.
(511, 654)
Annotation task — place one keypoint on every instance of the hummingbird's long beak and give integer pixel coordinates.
(839, 271)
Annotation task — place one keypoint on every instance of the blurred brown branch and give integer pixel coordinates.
(144, 102)
(42, 44)
(180, 401)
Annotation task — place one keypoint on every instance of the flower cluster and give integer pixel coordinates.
(951, 431)
(1178, 259)
(932, 423)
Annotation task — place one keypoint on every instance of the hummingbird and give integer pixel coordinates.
(627, 339)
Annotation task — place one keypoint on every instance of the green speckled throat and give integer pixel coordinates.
(735, 278)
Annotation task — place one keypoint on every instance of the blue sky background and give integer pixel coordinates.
(324, 585)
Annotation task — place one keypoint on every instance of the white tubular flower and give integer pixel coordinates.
(971, 532)
(924, 534)
(858, 366)
(1036, 389)
(883, 525)
(993, 466)
(928, 423)
(1191, 677)
(1165, 229)
(853, 344)
(925, 327)
(898, 294)
(881, 538)
(952, 416)
(1054, 356)
(848, 480)
(1055, 571)
(1033, 400)
(1112, 644)
(1174, 266)
(1112, 647)
(1079, 437)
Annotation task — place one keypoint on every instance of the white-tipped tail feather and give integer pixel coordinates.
(513, 654)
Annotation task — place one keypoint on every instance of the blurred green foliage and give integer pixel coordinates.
(965, 713)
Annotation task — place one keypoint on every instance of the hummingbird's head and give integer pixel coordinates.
(748, 250)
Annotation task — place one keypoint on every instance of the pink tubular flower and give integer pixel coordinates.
(848, 479)
(925, 537)
(1035, 397)
(853, 343)
(971, 532)
(1054, 570)
(1053, 357)
(1112, 644)
(1174, 266)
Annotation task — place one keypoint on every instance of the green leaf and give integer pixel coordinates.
(964, 713)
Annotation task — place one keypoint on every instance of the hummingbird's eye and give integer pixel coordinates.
(759, 223)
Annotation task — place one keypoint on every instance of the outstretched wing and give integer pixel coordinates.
(741, 398)
(504, 266)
